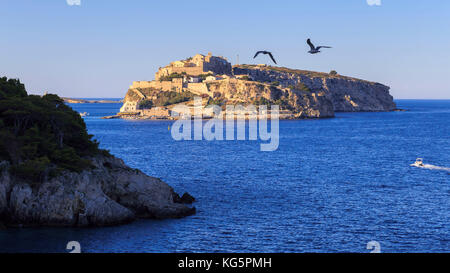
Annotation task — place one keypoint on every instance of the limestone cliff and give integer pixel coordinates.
(301, 103)
(111, 193)
(345, 93)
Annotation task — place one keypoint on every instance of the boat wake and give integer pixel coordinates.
(433, 167)
(420, 164)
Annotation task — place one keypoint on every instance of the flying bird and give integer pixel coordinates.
(265, 52)
(314, 49)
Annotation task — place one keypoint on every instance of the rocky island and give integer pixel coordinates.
(299, 93)
(53, 174)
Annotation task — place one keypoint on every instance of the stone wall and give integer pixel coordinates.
(198, 65)
(217, 65)
(141, 84)
(156, 112)
(174, 85)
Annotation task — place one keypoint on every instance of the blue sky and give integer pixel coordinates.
(98, 48)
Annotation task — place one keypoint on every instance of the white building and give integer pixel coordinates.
(194, 79)
(129, 106)
(210, 78)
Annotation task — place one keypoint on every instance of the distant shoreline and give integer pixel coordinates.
(73, 100)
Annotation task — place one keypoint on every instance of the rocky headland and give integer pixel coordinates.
(53, 173)
(111, 193)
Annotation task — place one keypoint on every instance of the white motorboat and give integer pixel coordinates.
(418, 163)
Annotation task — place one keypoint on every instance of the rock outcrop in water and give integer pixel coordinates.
(109, 194)
(299, 93)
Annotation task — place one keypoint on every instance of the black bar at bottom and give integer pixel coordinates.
(229, 262)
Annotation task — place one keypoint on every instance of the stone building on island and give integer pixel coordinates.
(196, 66)
(190, 75)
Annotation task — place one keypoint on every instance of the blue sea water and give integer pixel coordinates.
(333, 185)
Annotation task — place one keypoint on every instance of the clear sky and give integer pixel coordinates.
(97, 49)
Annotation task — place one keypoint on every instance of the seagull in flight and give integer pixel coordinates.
(265, 52)
(314, 49)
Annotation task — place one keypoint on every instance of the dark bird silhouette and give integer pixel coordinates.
(314, 49)
(265, 52)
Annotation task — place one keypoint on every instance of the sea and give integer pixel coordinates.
(333, 185)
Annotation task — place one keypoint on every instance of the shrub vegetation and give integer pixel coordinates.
(333, 73)
(172, 97)
(145, 104)
(172, 76)
(41, 136)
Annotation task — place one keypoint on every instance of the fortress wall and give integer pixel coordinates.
(155, 84)
(165, 85)
(193, 71)
(141, 84)
(202, 64)
(218, 66)
(176, 84)
(156, 111)
(165, 71)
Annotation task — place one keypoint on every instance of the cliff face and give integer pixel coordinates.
(349, 95)
(109, 194)
(345, 94)
(303, 104)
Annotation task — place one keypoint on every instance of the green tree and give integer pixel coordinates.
(145, 104)
(41, 135)
(172, 97)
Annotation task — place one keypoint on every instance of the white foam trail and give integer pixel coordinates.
(433, 167)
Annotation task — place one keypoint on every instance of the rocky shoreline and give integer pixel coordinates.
(111, 193)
